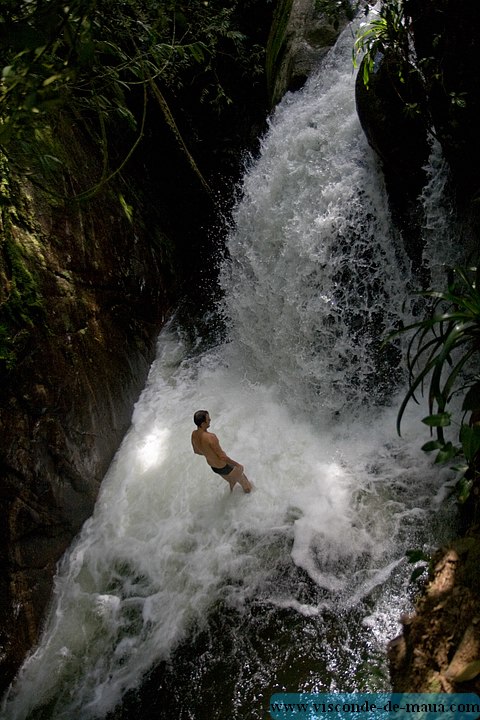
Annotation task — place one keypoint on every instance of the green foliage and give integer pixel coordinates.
(24, 295)
(388, 42)
(415, 556)
(127, 209)
(444, 351)
(100, 58)
(101, 68)
(41, 45)
(23, 304)
(94, 53)
(386, 34)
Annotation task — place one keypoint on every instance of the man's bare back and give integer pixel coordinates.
(206, 443)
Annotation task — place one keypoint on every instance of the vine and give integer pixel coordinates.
(92, 56)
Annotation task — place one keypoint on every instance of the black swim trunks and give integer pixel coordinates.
(226, 470)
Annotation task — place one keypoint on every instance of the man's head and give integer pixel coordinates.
(200, 417)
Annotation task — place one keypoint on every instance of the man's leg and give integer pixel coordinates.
(245, 483)
(237, 475)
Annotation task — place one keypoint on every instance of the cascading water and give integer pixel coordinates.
(298, 585)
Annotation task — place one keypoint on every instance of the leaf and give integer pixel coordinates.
(447, 453)
(432, 445)
(416, 555)
(50, 80)
(197, 51)
(52, 159)
(127, 209)
(86, 52)
(470, 439)
(460, 469)
(39, 51)
(464, 487)
(439, 420)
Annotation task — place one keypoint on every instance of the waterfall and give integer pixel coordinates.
(224, 597)
(316, 273)
(440, 225)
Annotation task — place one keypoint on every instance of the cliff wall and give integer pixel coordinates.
(85, 292)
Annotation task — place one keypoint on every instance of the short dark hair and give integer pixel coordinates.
(200, 417)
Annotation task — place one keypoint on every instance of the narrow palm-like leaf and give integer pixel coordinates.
(447, 388)
(441, 348)
(470, 439)
(411, 392)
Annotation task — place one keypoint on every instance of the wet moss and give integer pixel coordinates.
(21, 302)
(276, 42)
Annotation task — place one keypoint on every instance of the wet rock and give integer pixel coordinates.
(300, 37)
(399, 137)
(66, 399)
(439, 647)
(465, 664)
(447, 42)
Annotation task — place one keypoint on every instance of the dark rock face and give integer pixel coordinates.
(444, 96)
(299, 38)
(399, 138)
(447, 42)
(67, 400)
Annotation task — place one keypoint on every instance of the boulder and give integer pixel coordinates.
(300, 37)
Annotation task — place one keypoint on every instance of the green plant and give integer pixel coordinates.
(108, 62)
(414, 557)
(388, 41)
(444, 351)
(386, 34)
(22, 307)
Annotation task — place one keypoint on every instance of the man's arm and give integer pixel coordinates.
(195, 449)
(215, 446)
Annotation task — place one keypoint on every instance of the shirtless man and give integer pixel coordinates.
(206, 443)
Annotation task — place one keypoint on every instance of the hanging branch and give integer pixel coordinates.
(174, 128)
(87, 194)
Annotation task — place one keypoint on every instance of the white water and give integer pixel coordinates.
(294, 394)
(440, 226)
